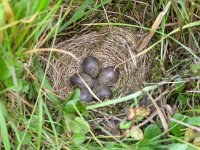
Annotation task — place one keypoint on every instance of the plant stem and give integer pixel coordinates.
(125, 98)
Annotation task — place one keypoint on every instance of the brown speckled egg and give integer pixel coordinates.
(76, 80)
(86, 96)
(102, 92)
(91, 66)
(108, 76)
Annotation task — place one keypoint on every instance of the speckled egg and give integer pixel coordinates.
(108, 76)
(91, 66)
(76, 80)
(102, 92)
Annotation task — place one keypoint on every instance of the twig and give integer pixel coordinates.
(148, 119)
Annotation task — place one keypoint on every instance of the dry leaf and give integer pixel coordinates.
(196, 141)
(138, 112)
(136, 133)
(188, 134)
(8, 11)
(1, 37)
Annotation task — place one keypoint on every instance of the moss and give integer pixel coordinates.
(156, 73)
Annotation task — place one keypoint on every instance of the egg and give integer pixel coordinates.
(91, 66)
(102, 92)
(108, 76)
(85, 96)
(76, 80)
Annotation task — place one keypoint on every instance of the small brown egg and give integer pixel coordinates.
(108, 76)
(102, 92)
(91, 66)
(86, 96)
(76, 80)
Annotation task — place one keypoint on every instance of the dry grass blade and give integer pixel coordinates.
(89, 89)
(162, 118)
(52, 50)
(8, 11)
(153, 28)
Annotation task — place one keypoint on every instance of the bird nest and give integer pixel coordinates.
(111, 46)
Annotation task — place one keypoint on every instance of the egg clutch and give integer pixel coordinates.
(99, 79)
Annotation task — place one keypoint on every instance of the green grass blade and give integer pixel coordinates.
(40, 123)
(47, 85)
(43, 4)
(80, 13)
(125, 98)
(3, 129)
(40, 90)
(52, 124)
(1, 15)
(77, 15)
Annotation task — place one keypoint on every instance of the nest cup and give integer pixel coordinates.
(111, 46)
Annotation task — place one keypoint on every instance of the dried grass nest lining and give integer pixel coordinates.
(111, 47)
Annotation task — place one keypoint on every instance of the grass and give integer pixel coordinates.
(32, 117)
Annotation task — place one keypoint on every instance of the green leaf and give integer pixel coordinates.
(195, 121)
(152, 131)
(74, 101)
(79, 125)
(146, 148)
(182, 99)
(66, 123)
(69, 106)
(3, 129)
(75, 94)
(125, 125)
(195, 68)
(19, 67)
(178, 146)
(144, 143)
(10, 84)
(78, 138)
(25, 86)
(5, 73)
(179, 87)
(177, 129)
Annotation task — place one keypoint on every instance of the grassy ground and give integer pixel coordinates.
(32, 117)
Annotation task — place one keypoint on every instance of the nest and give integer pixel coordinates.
(112, 46)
